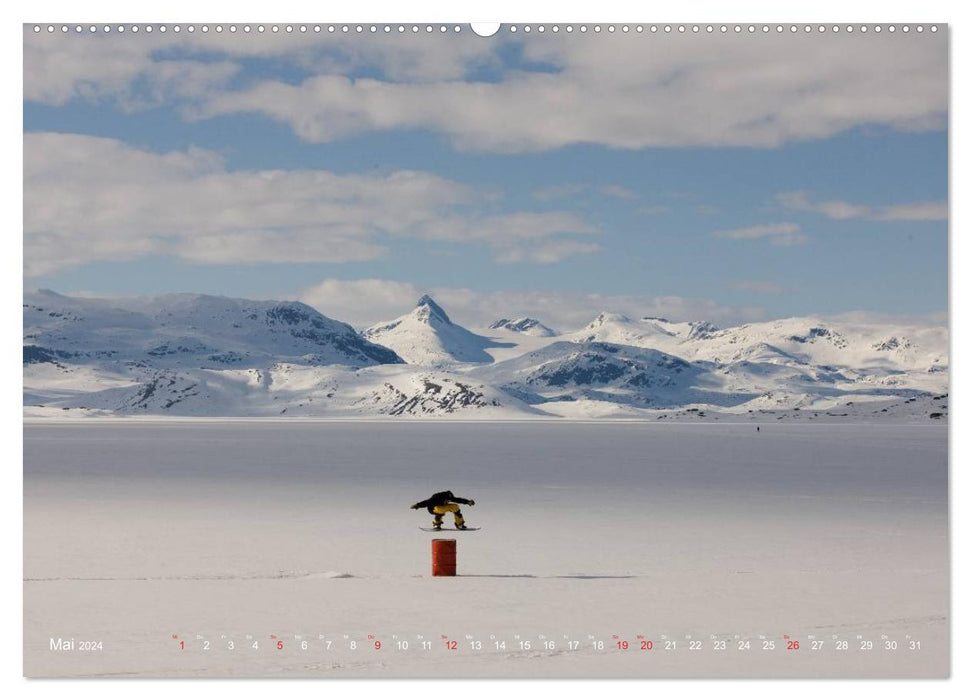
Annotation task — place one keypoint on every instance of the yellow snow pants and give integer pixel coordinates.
(439, 511)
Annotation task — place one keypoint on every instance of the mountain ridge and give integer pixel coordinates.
(189, 354)
(523, 324)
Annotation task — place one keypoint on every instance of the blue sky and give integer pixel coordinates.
(507, 175)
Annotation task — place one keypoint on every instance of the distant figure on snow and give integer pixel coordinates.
(757, 428)
(445, 502)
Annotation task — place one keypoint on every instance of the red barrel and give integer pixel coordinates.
(443, 557)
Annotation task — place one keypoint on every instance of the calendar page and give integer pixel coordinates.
(486, 351)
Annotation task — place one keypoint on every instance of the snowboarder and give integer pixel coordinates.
(445, 502)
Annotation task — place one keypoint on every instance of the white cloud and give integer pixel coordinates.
(361, 302)
(917, 211)
(368, 301)
(671, 90)
(840, 210)
(92, 199)
(143, 70)
(135, 71)
(676, 91)
(781, 234)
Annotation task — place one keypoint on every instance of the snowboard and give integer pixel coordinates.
(449, 529)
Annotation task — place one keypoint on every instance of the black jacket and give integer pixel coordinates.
(442, 498)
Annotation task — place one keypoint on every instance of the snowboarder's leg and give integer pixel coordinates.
(453, 508)
(439, 512)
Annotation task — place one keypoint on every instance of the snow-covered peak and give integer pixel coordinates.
(875, 350)
(617, 328)
(191, 330)
(621, 374)
(428, 311)
(605, 318)
(427, 336)
(525, 325)
(701, 329)
(867, 347)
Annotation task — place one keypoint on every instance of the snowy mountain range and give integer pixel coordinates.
(196, 355)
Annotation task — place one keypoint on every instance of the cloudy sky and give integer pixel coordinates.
(729, 177)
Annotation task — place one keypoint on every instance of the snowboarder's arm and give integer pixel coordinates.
(421, 504)
(464, 501)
